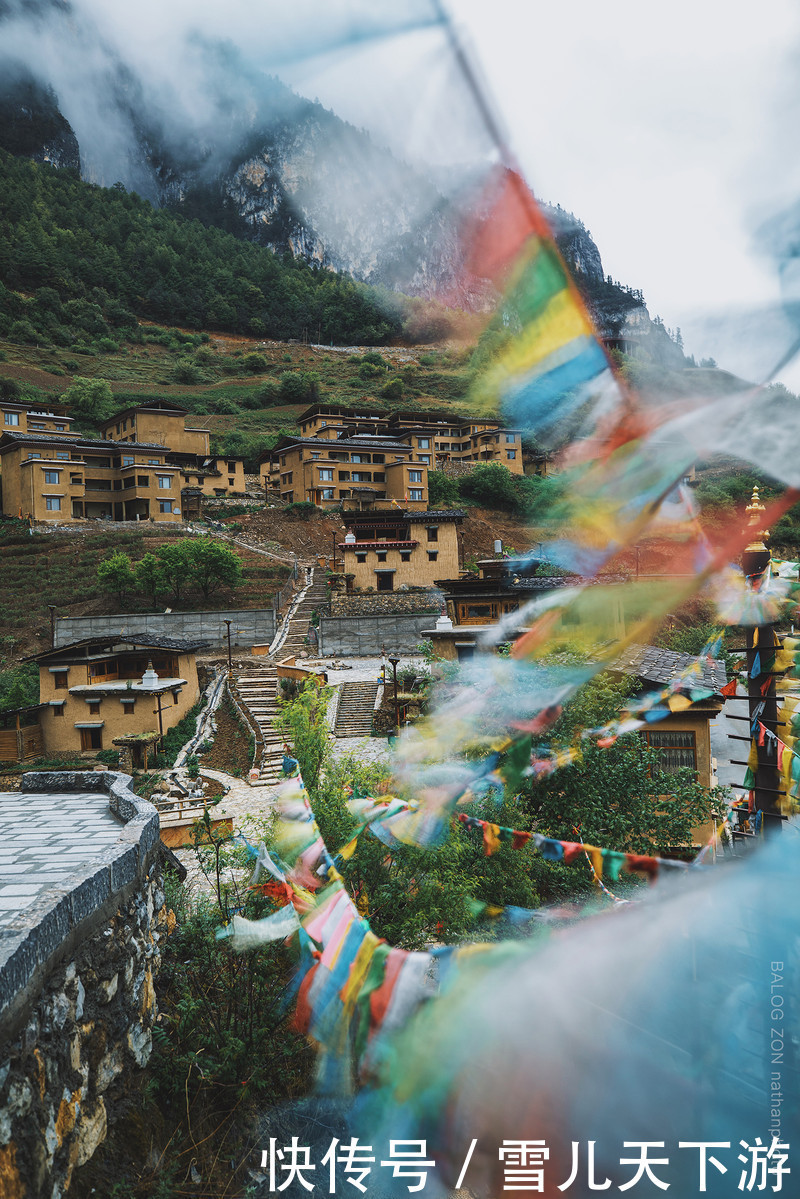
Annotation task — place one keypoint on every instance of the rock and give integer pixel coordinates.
(107, 989)
(109, 1067)
(92, 1130)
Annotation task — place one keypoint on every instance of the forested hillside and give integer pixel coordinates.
(89, 261)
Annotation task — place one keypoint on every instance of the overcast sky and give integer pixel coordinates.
(670, 129)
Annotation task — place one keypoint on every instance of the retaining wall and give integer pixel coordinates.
(249, 626)
(364, 636)
(388, 603)
(77, 1000)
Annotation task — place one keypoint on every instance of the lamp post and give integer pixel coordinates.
(394, 662)
(227, 624)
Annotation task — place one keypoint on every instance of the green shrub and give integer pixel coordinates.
(304, 509)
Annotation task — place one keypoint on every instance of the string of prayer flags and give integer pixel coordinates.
(605, 861)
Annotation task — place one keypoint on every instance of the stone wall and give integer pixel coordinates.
(387, 603)
(249, 626)
(77, 998)
(364, 636)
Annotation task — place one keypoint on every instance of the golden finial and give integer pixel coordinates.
(754, 510)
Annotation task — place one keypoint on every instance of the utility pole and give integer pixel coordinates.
(394, 662)
(52, 610)
(762, 703)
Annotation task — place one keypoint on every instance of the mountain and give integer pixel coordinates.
(619, 312)
(241, 151)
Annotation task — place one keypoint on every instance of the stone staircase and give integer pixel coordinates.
(257, 690)
(257, 687)
(356, 706)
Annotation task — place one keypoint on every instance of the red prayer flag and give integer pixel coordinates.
(729, 690)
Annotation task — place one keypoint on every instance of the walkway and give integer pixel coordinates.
(46, 838)
(257, 682)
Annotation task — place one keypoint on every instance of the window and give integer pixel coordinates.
(231, 481)
(328, 493)
(36, 424)
(129, 481)
(385, 580)
(153, 461)
(511, 455)
(465, 652)
(143, 480)
(361, 557)
(58, 710)
(60, 680)
(378, 457)
(164, 482)
(378, 477)
(344, 476)
(165, 506)
(359, 458)
(52, 503)
(76, 479)
(405, 556)
(426, 458)
(61, 428)
(362, 476)
(62, 454)
(127, 460)
(415, 476)
(313, 455)
(232, 467)
(510, 438)
(128, 705)
(433, 532)
(676, 751)
(424, 443)
(52, 476)
(33, 456)
(11, 418)
(94, 707)
(325, 474)
(433, 555)
(283, 459)
(382, 556)
(415, 493)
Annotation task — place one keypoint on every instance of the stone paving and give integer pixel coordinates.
(46, 838)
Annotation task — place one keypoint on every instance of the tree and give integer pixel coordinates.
(414, 896)
(149, 575)
(19, 686)
(303, 721)
(115, 574)
(89, 399)
(618, 797)
(213, 565)
(175, 567)
(442, 489)
(492, 485)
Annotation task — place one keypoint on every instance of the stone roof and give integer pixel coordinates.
(8, 440)
(113, 640)
(652, 664)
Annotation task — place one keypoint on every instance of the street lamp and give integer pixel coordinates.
(227, 624)
(394, 662)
